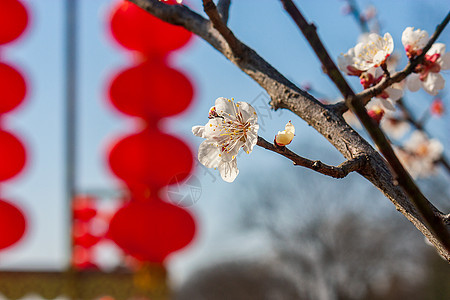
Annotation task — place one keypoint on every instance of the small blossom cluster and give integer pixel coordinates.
(232, 126)
(367, 60)
(427, 74)
(371, 60)
(419, 154)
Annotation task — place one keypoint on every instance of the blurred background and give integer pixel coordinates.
(278, 231)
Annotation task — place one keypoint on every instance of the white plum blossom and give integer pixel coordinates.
(419, 154)
(414, 41)
(285, 137)
(373, 52)
(427, 73)
(232, 126)
(347, 61)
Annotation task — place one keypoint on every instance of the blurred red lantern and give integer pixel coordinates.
(82, 235)
(151, 90)
(12, 87)
(13, 20)
(151, 230)
(83, 208)
(150, 158)
(82, 259)
(12, 155)
(12, 224)
(136, 29)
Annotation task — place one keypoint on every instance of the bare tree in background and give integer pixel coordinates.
(336, 253)
(382, 168)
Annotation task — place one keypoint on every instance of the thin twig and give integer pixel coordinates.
(357, 106)
(340, 171)
(309, 31)
(216, 19)
(357, 15)
(223, 7)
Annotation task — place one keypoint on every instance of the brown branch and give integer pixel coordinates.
(356, 104)
(285, 94)
(211, 10)
(310, 33)
(357, 15)
(340, 171)
(223, 7)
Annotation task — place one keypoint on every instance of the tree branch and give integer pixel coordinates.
(211, 10)
(223, 7)
(340, 171)
(357, 106)
(285, 94)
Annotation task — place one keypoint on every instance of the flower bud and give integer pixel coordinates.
(285, 137)
(376, 113)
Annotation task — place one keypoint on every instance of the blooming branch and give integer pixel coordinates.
(340, 171)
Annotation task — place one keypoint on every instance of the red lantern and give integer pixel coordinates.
(82, 235)
(151, 230)
(82, 259)
(12, 224)
(12, 87)
(151, 90)
(136, 29)
(13, 20)
(150, 158)
(83, 208)
(12, 155)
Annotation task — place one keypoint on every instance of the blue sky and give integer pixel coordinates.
(263, 25)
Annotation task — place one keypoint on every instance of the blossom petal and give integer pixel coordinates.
(387, 104)
(232, 153)
(214, 128)
(209, 154)
(252, 139)
(229, 170)
(199, 131)
(416, 39)
(394, 94)
(247, 111)
(437, 48)
(445, 61)
(433, 83)
(388, 43)
(225, 108)
(413, 82)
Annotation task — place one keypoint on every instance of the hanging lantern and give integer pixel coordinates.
(151, 90)
(12, 87)
(82, 235)
(150, 158)
(13, 20)
(83, 208)
(136, 29)
(82, 259)
(151, 230)
(12, 224)
(12, 155)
